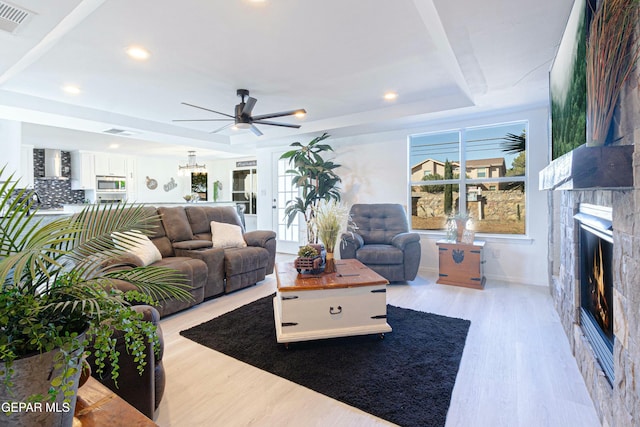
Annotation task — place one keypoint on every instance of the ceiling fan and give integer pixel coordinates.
(243, 118)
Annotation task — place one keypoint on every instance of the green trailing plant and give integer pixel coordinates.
(612, 52)
(57, 293)
(316, 179)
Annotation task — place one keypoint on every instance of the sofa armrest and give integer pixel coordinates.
(140, 391)
(259, 237)
(263, 239)
(214, 259)
(192, 244)
(121, 262)
(349, 245)
(401, 240)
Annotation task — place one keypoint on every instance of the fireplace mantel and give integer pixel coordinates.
(609, 167)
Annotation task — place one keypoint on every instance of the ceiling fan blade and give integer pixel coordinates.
(248, 106)
(284, 125)
(206, 109)
(201, 120)
(280, 114)
(255, 130)
(222, 128)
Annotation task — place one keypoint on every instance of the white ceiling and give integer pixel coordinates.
(335, 58)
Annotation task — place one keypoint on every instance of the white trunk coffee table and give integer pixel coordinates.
(351, 301)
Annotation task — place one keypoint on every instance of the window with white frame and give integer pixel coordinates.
(491, 191)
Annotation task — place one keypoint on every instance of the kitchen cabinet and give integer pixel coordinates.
(83, 175)
(110, 165)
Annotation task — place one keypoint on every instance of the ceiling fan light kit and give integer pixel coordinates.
(243, 119)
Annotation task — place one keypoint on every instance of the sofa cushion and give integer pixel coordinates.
(379, 254)
(138, 244)
(198, 219)
(225, 235)
(176, 224)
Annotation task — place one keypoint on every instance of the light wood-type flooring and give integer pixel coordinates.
(516, 369)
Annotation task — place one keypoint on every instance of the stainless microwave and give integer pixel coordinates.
(111, 183)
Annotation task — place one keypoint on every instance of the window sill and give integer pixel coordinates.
(521, 239)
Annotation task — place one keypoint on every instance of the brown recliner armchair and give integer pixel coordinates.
(144, 392)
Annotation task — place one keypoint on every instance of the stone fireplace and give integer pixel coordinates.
(595, 264)
(616, 394)
(606, 182)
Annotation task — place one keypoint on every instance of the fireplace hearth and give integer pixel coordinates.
(596, 282)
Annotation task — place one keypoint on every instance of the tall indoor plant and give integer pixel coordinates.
(316, 179)
(56, 296)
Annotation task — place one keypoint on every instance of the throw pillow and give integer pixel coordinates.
(225, 235)
(137, 244)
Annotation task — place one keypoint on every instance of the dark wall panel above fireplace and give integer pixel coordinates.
(609, 167)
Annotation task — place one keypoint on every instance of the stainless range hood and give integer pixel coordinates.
(53, 164)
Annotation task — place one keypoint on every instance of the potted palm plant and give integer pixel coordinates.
(57, 296)
(316, 179)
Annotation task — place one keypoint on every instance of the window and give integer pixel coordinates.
(492, 188)
(245, 186)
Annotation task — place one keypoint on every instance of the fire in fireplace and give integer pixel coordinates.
(596, 282)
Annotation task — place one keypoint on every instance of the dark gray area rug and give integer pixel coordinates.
(406, 378)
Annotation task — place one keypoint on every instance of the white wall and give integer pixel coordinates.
(375, 170)
(11, 137)
(163, 169)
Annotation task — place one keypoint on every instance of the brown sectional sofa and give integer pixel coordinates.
(183, 237)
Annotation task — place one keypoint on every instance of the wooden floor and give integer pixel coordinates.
(516, 370)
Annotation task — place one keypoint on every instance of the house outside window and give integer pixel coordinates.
(491, 191)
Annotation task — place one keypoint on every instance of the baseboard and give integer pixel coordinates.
(433, 272)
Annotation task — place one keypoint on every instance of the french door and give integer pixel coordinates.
(288, 237)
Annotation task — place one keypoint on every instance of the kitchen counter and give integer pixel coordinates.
(51, 212)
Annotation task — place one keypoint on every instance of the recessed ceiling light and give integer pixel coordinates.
(138, 52)
(71, 89)
(390, 96)
(300, 114)
(114, 145)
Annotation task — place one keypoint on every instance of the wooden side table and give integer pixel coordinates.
(97, 406)
(461, 264)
